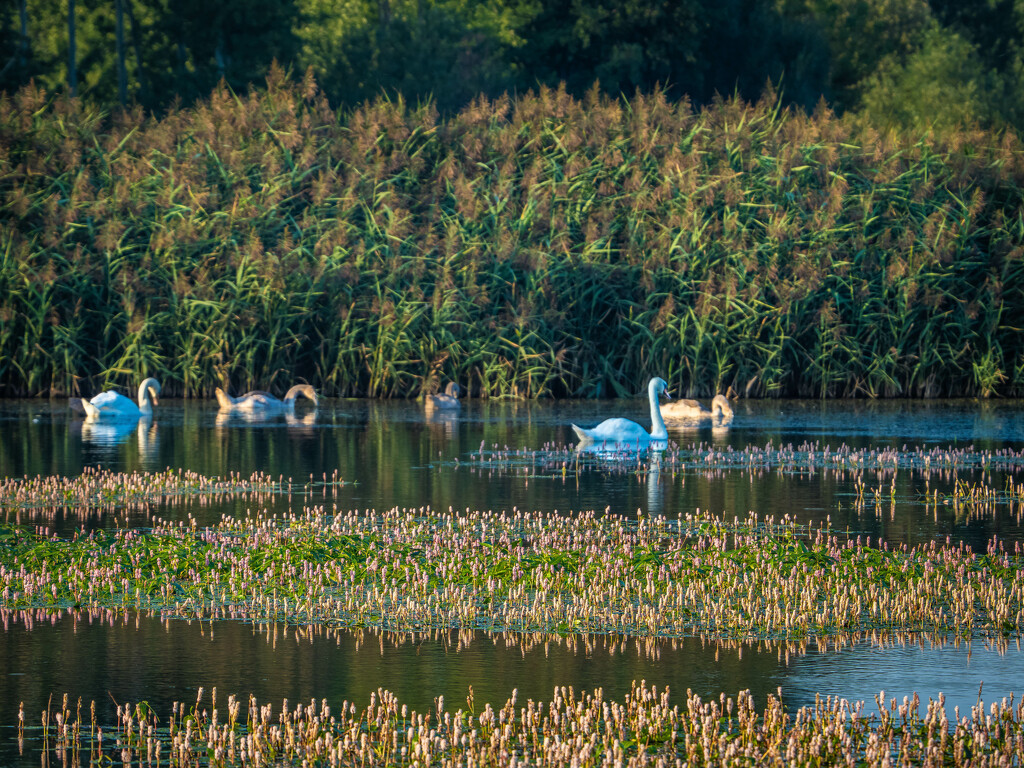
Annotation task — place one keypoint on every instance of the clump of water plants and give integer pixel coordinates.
(804, 458)
(418, 569)
(572, 729)
(99, 490)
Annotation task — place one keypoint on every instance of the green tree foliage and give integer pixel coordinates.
(860, 34)
(914, 64)
(995, 29)
(694, 48)
(177, 49)
(940, 86)
(233, 40)
(446, 50)
(14, 43)
(750, 42)
(625, 44)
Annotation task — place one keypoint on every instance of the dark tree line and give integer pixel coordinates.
(899, 63)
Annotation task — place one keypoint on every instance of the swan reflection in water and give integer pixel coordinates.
(442, 423)
(112, 433)
(268, 418)
(655, 493)
(648, 454)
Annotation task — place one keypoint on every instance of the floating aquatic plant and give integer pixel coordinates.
(785, 458)
(99, 490)
(418, 569)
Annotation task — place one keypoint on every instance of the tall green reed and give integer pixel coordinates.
(528, 247)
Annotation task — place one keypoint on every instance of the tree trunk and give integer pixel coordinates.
(218, 56)
(72, 73)
(140, 74)
(23, 43)
(122, 76)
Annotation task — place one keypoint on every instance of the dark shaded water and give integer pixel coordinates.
(496, 456)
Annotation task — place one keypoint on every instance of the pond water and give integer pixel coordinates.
(497, 456)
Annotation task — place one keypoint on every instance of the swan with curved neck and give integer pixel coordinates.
(691, 410)
(114, 405)
(264, 401)
(449, 401)
(623, 431)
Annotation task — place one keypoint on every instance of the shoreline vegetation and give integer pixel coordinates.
(537, 246)
(416, 570)
(585, 579)
(574, 728)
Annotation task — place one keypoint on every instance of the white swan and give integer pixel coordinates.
(263, 401)
(449, 401)
(691, 410)
(112, 405)
(624, 431)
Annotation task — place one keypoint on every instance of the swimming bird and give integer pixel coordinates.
(113, 405)
(623, 431)
(263, 401)
(449, 401)
(691, 410)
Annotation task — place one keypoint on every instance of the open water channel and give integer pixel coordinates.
(500, 456)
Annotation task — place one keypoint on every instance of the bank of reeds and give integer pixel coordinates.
(574, 728)
(525, 247)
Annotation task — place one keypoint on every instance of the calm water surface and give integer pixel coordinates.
(499, 456)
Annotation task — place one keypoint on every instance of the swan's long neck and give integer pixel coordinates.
(224, 400)
(299, 389)
(148, 391)
(658, 430)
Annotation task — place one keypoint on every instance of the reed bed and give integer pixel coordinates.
(417, 569)
(571, 729)
(100, 491)
(530, 247)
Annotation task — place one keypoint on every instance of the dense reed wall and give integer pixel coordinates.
(529, 247)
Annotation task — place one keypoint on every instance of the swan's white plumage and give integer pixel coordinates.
(264, 401)
(691, 410)
(113, 405)
(449, 401)
(623, 432)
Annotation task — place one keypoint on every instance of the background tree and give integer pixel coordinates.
(623, 44)
(940, 86)
(995, 30)
(233, 40)
(448, 50)
(889, 61)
